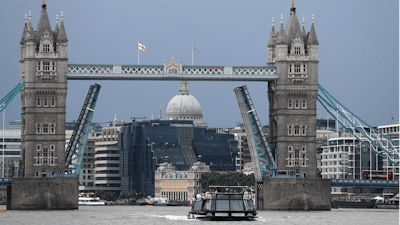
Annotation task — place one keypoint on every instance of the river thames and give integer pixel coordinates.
(177, 215)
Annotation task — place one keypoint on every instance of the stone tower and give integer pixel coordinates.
(43, 99)
(292, 98)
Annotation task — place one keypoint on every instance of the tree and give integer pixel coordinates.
(231, 179)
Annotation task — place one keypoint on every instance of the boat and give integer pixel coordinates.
(85, 199)
(224, 203)
(90, 201)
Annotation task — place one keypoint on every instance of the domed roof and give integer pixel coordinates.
(183, 105)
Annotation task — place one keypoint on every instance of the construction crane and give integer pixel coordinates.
(76, 147)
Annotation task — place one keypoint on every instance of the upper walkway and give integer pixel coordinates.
(365, 183)
(171, 71)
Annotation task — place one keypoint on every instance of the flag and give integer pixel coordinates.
(194, 48)
(141, 47)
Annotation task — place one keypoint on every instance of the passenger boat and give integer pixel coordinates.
(224, 203)
(86, 200)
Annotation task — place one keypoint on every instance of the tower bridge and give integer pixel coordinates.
(291, 73)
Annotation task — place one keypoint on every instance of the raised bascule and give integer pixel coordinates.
(292, 76)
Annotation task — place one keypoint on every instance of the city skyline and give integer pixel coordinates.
(359, 64)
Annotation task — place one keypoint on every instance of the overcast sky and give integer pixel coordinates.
(358, 52)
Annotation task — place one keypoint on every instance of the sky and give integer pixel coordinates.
(358, 52)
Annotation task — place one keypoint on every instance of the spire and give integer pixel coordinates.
(293, 26)
(62, 35)
(184, 90)
(25, 31)
(272, 37)
(43, 24)
(281, 37)
(30, 35)
(115, 119)
(160, 117)
(312, 36)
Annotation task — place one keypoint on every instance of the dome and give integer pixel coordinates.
(185, 107)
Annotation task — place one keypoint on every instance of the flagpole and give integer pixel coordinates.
(138, 54)
(192, 54)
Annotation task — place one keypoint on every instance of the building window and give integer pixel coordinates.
(45, 102)
(297, 68)
(46, 48)
(304, 104)
(290, 148)
(296, 130)
(38, 101)
(38, 65)
(297, 105)
(289, 130)
(54, 66)
(36, 174)
(297, 50)
(45, 128)
(290, 68)
(303, 149)
(53, 101)
(46, 65)
(52, 129)
(296, 153)
(38, 128)
(303, 131)
(52, 148)
(38, 147)
(290, 104)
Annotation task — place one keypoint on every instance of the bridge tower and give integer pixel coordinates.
(43, 99)
(292, 98)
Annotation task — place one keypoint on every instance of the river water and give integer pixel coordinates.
(160, 215)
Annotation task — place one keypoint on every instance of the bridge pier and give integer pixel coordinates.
(46, 193)
(295, 194)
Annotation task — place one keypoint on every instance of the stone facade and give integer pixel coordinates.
(292, 98)
(179, 185)
(54, 193)
(296, 194)
(43, 99)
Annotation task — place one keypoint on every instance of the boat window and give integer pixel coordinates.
(236, 205)
(197, 206)
(210, 205)
(249, 205)
(222, 196)
(222, 205)
(236, 196)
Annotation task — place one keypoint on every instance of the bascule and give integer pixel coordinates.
(291, 73)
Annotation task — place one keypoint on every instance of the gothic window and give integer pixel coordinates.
(45, 102)
(297, 163)
(289, 130)
(38, 65)
(52, 148)
(297, 153)
(38, 101)
(304, 148)
(53, 101)
(38, 128)
(54, 66)
(297, 50)
(297, 68)
(304, 104)
(297, 105)
(52, 129)
(38, 148)
(290, 68)
(290, 148)
(296, 130)
(46, 65)
(290, 104)
(46, 48)
(303, 131)
(45, 128)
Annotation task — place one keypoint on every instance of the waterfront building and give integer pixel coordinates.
(14, 125)
(107, 160)
(10, 152)
(179, 185)
(93, 126)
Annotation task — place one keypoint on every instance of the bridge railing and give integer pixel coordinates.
(365, 183)
(161, 72)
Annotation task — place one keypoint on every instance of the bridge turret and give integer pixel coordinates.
(292, 100)
(43, 68)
